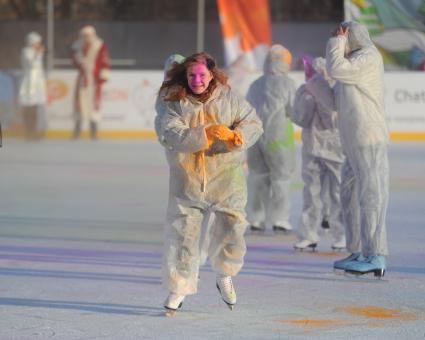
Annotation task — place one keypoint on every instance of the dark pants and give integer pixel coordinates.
(29, 114)
(77, 130)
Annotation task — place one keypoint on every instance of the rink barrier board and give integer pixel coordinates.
(129, 101)
(151, 135)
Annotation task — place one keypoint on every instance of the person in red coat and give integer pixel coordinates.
(91, 58)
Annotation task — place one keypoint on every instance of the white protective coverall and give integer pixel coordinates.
(322, 156)
(271, 160)
(204, 179)
(160, 105)
(160, 108)
(357, 66)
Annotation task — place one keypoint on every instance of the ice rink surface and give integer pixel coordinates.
(81, 227)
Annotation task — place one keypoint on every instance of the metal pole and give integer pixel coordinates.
(200, 36)
(50, 35)
(347, 13)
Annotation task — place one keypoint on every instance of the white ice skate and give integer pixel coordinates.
(227, 291)
(305, 244)
(173, 303)
(283, 227)
(257, 228)
(339, 245)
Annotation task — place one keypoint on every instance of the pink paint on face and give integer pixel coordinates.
(198, 78)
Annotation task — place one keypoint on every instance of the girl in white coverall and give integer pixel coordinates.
(205, 128)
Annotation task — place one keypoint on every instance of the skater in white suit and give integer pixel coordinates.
(322, 156)
(271, 160)
(206, 129)
(354, 61)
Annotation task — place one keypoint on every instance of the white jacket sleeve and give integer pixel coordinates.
(304, 107)
(345, 70)
(246, 121)
(160, 108)
(291, 99)
(324, 98)
(322, 92)
(252, 94)
(178, 135)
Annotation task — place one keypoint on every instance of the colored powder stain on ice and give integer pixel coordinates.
(380, 313)
(327, 254)
(314, 323)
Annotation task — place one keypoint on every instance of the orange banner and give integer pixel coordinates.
(246, 29)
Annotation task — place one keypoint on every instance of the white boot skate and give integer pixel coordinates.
(257, 227)
(173, 303)
(283, 227)
(339, 245)
(227, 291)
(305, 244)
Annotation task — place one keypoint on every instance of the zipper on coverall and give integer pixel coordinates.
(202, 154)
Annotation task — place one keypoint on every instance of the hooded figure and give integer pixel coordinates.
(160, 105)
(91, 58)
(32, 91)
(322, 156)
(355, 63)
(271, 160)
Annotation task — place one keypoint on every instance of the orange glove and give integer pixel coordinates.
(225, 134)
(222, 132)
(210, 134)
(238, 140)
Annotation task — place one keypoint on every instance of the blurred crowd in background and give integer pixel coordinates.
(141, 34)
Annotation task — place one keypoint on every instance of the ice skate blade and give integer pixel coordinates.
(339, 271)
(257, 230)
(231, 306)
(171, 311)
(311, 247)
(377, 273)
(281, 230)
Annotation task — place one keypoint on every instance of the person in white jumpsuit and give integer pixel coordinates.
(322, 157)
(271, 160)
(356, 64)
(160, 104)
(32, 91)
(206, 129)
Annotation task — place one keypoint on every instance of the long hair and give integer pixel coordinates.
(177, 88)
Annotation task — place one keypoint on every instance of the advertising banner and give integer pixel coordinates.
(397, 27)
(129, 100)
(127, 105)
